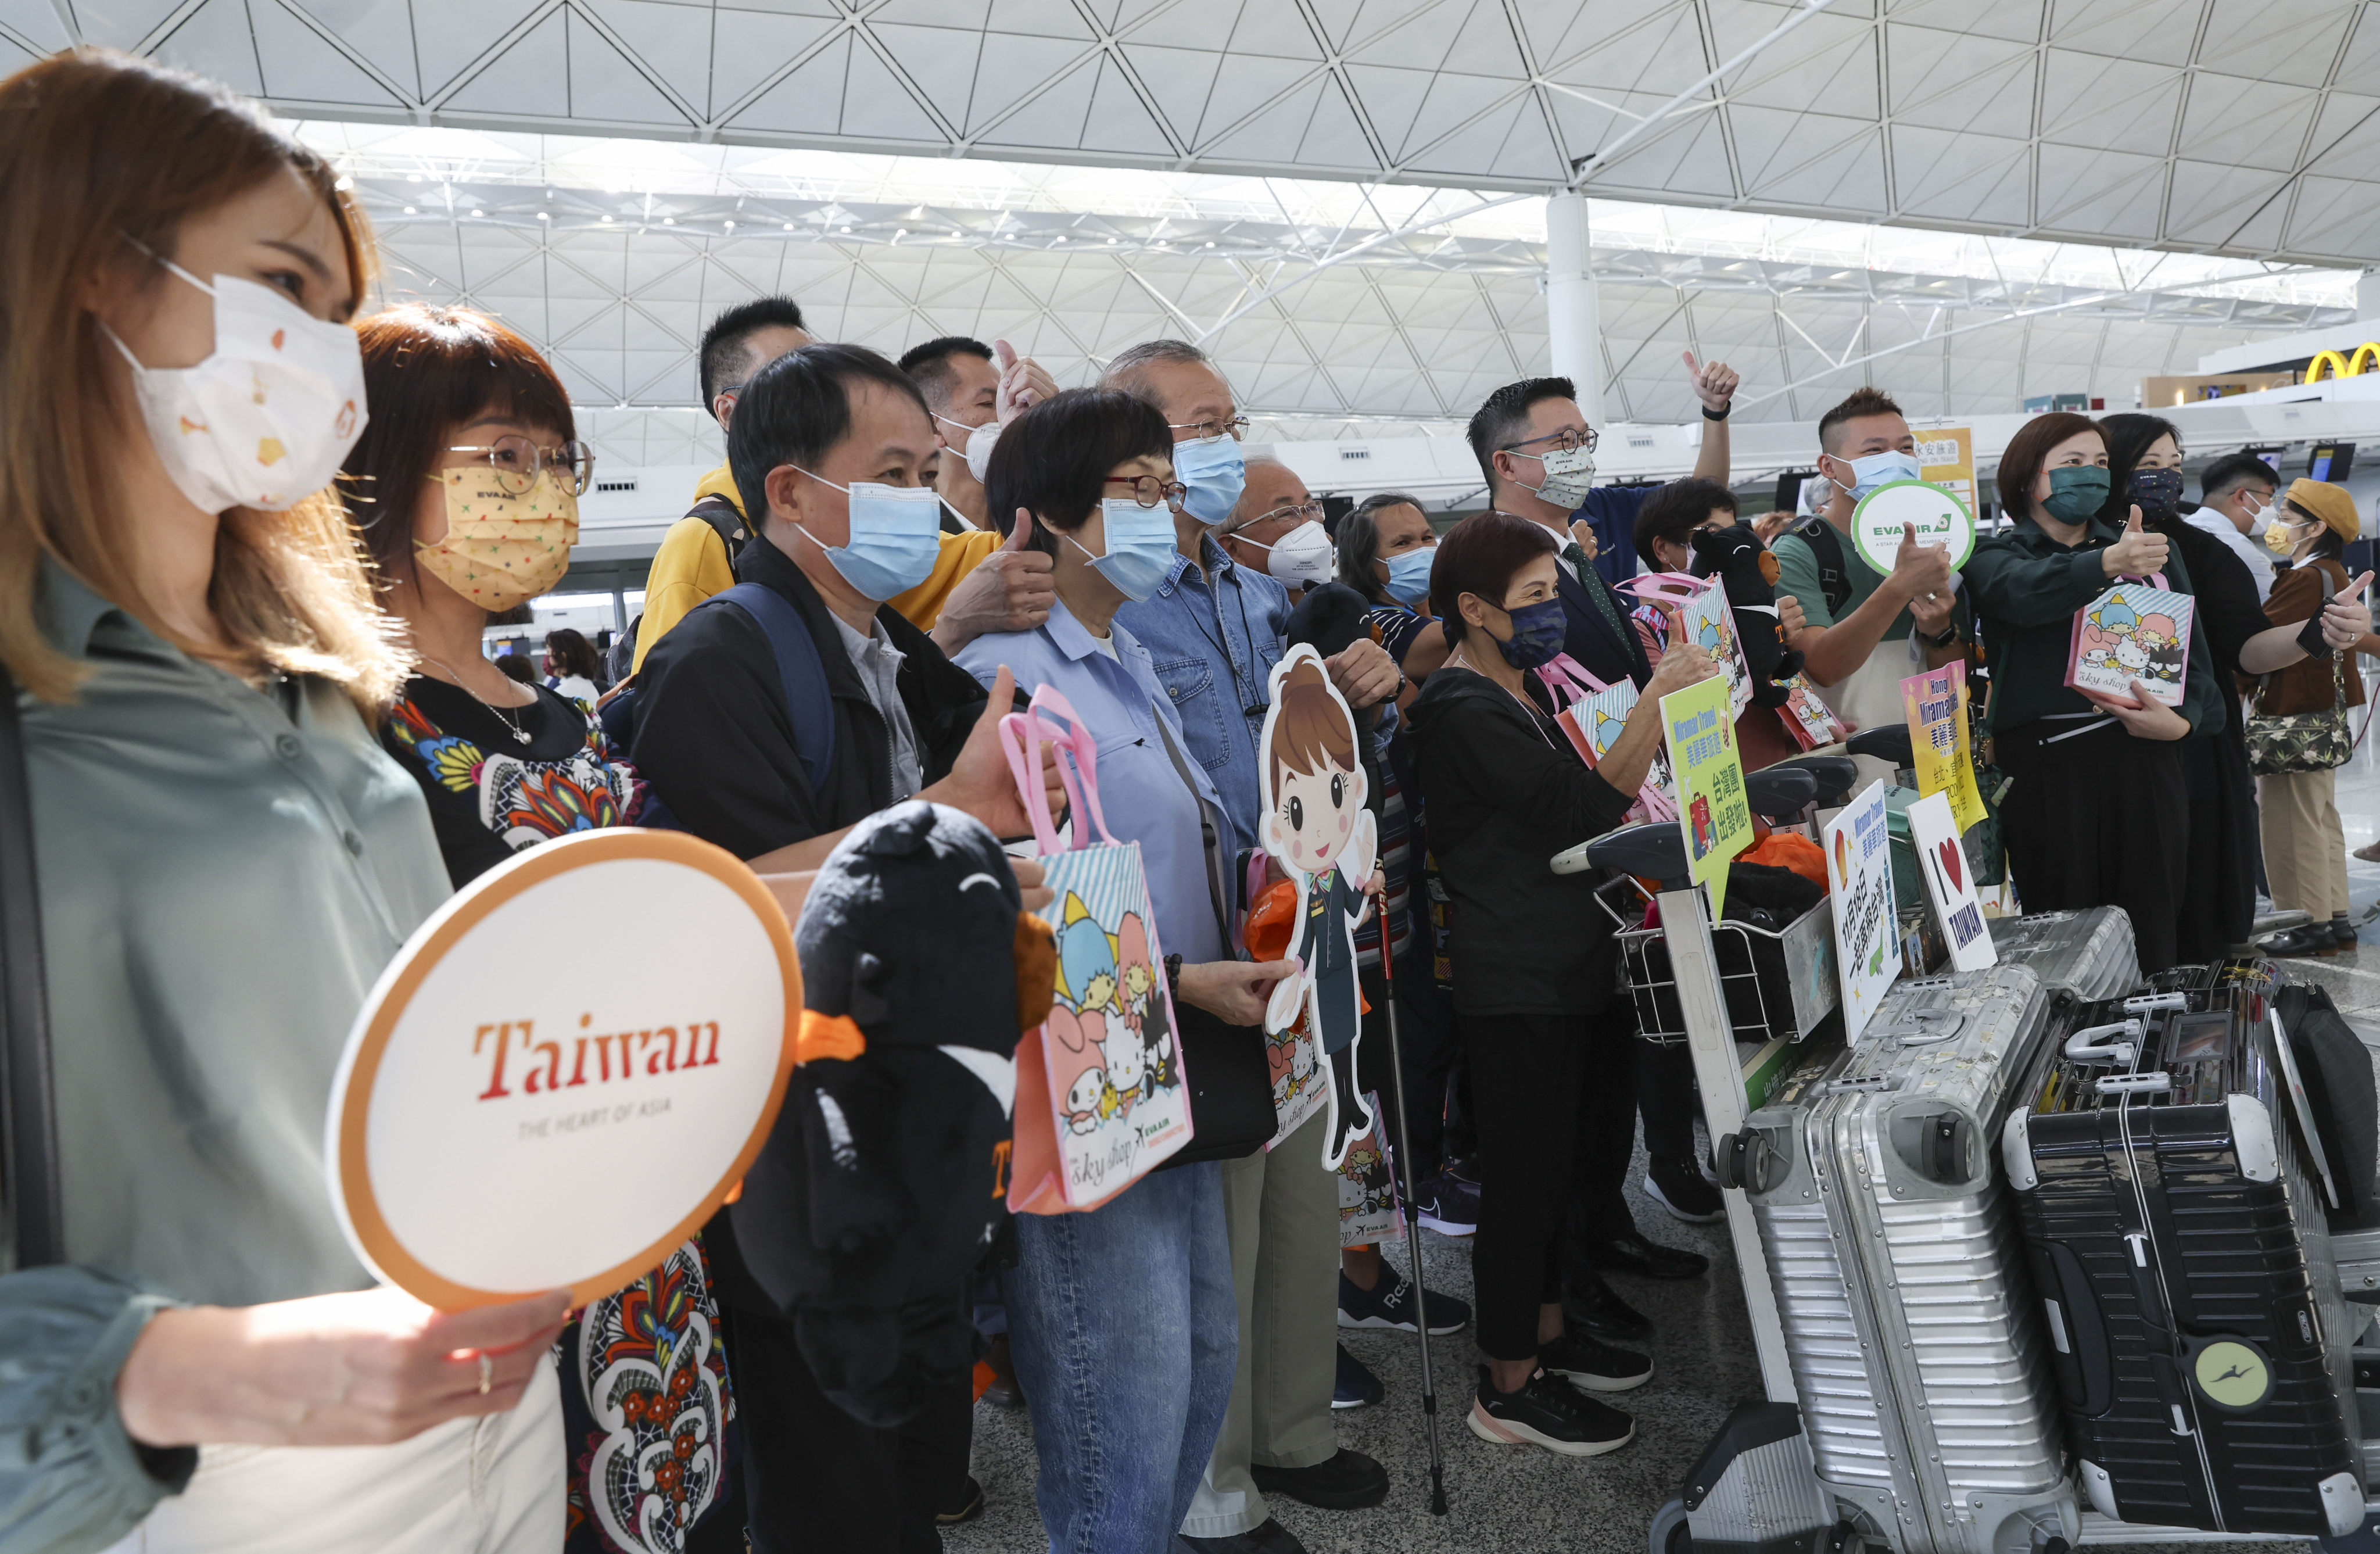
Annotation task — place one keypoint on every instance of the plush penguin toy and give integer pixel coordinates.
(885, 1176)
(1744, 566)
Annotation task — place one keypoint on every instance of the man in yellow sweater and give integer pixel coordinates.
(963, 598)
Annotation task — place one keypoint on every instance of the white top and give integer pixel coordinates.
(2259, 560)
(577, 687)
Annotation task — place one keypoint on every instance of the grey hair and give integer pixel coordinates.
(1129, 368)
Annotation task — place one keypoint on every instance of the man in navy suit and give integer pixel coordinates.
(1537, 452)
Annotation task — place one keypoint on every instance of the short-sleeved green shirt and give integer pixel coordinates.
(1797, 566)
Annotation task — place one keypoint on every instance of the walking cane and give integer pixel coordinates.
(1405, 1194)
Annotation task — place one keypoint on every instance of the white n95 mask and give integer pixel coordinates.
(980, 440)
(266, 418)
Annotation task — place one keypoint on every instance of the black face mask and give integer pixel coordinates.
(2156, 491)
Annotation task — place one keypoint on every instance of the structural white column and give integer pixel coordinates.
(2367, 294)
(1576, 335)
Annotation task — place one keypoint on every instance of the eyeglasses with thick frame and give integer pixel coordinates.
(1148, 490)
(1568, 440)
(518, 463)
(1237, 426)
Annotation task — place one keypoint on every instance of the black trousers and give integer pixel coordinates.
(1431, 1042)
(1557, 1108)
(2099, 820)
(1665, 1097)
(817, 1480)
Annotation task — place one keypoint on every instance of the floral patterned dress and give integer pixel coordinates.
(644, 1393)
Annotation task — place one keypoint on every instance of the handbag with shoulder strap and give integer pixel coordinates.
(2303, 741)
(28, 1119)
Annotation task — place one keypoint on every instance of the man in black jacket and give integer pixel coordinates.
(716, 736)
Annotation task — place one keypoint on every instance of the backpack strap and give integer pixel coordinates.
(722, 516)
(800, 672)
(1827, 547)
(27, 1116)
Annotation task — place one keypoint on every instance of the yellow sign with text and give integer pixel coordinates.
(1946, 457)
(1934, 704)
(1699, 725)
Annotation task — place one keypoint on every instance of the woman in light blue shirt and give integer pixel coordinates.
(1122, 1319)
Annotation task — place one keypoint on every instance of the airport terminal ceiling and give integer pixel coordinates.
(1969, 203)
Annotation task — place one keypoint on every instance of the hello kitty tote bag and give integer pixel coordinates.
(2134, 632)
(1101, 1097)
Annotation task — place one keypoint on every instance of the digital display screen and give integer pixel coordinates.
(2330, 461)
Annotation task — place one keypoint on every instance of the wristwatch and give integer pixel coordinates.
(1719, 415)
(1949, 634)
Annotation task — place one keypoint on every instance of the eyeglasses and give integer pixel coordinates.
(517, 461)
(1148, 490)
(1296, 512)
(1568, 440)
(1237, 426)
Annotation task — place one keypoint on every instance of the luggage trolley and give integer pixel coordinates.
(1755, 1489)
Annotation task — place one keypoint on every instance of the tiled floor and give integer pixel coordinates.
(1507, 1500)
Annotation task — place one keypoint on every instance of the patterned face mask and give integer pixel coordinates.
(500, 549)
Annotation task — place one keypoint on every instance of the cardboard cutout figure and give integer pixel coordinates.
(1316, 829)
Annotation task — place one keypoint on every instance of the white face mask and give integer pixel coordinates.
(264, 420)
(979, 441)
(1302, 557)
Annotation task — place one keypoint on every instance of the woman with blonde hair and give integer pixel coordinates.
(208, 862)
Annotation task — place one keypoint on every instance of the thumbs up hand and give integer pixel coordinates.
(1022, 383)
(2136, 552)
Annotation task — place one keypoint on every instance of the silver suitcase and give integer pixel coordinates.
(2088, 953)
(1894, 1254)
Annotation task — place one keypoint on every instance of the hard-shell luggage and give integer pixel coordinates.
(2170, 1186)
(2088, 953)
(1917, 1353)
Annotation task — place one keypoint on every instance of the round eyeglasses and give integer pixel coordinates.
(517, 461)
(1148, 490)
(1570, 439)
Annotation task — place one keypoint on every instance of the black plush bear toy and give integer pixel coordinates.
(1749, 573)
(885, 1175)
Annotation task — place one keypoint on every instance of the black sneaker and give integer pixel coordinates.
(1451, 1205)
(1678, 1186)
(966, 1514)
(1391, 1304)
(1550, 1412)
(1591, 1305)
(1347, 1481)
(1594, 1364)
(1355, 1386)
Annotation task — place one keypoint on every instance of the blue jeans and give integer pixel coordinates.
(1125, 1334)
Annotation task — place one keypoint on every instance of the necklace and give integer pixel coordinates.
(520, 734)
(1462, 658)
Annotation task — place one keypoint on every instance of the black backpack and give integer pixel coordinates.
(1827, 545)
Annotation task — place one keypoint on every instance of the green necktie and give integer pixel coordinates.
(1592, 581)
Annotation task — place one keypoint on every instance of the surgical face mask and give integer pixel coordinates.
(1879, 469)
(2281, 535)
(1569, 473)
(265, 419)
(977, 443)
(1215, 473)
(896, 532)
(2077, 492)
(499, 549)
(2157, 490)
(1139, 546)
(1302, 556)
(1409, 575)
(1538, 632)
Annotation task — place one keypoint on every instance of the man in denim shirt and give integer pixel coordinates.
(1214, 630)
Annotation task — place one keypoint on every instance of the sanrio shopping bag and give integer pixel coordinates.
(1705, 618)
(1592, 716)
(1101, 1097)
